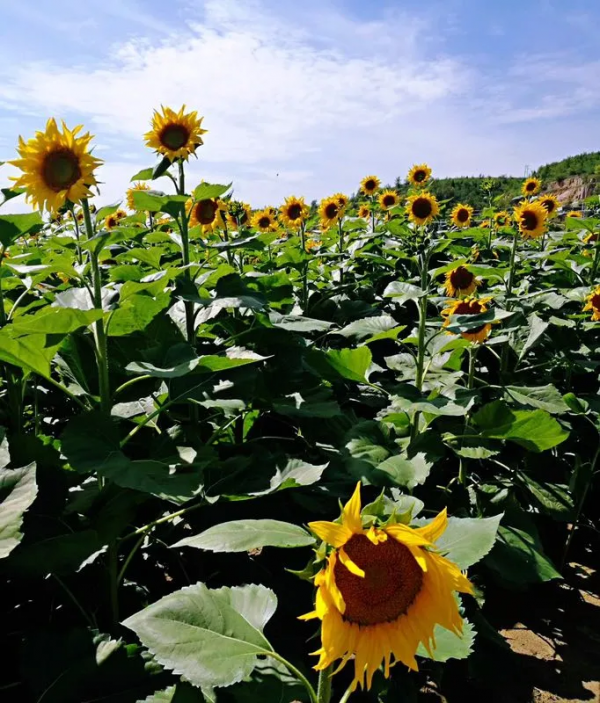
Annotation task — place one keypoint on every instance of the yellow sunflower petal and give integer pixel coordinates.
(349, 564)
(330, 532)
(436, 528)
(351, 512)
(407, 536)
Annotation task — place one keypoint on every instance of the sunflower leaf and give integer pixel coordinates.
(209, 191)
(450, 645)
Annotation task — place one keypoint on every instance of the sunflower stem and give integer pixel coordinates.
(305, 269)
(77, 236)
(421, 345)
(185, 253)
(298, 674)
(509, 302)
(341, 250)
(324, 687)
(346, 697)
(462, 467)
(596, 261)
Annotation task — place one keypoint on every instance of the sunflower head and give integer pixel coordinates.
(592, 302)
(312, 244)
(388, 199)
(550, 204)
(461, 215)
(175, 135)
(460, 281)
(419, 175)
(422, 208)
(531, 219)
(364, 211)
(370, 185)
(264, 220)
(342, 201)
(574, 213)
(205, 213)
(294, 212)
(111, 221)
(329, 212)
(382, 591)
(136, 187)
(238, 214)
(531, 186)
(469, 306)
(56, 166)
(120, 214)
(502, 219)
(591, 238)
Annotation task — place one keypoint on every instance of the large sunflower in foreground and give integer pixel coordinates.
(461, 215)
(388, 199)
(329, 212)
(531, 186)
(592, 302)
(550, 203)
(460, 281)
(502, 219)
(135, 188)
(531, 219)
(264, 220)
(294, 212)
(176, 135)
(469, 306)
(422, 208)
(206, 213)
(419, 175)
(370, 185)
(382, 592)
(56, 166)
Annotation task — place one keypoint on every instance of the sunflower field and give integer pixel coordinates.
(287, 454)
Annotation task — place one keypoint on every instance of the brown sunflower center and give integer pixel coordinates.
(388, 200)
(205, 211)
(422, 208)
(370, 184)
(174, 136)
(294, 211)
(61, 169)
(501, 220)
(462, 215)
(530, 186)
(331, 210)
(420, 176)
(529, 220)
(468, 307)
(596, 301)
(550, 205)
(111, 221)
(391, 583)
(264, 222)
(461, 278)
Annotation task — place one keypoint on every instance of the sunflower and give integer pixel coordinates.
(460, 281)
(205, 213)
(388, 199)
(293, 212)
(134, 188)
(422, 208)
(111, 221)
(591, 238)
(592, 302)
(238, 214)
(419, 175)
(382, 592)
(531, 186)
(469, 306)
(342, 201)
(120, 214)
(57, 167)
(175, 134)
(531, 218)
(264, 220)
(551, 204)
(574, 213)
(461, 215)
(329, 212)
(369, 185)
(364, 211)
(312, 244)
(502, 219)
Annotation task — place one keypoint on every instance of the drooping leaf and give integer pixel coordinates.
(211, 637)
(18, 489)
(449, 645)
(402, 471)
(49, 320)
(518, 558)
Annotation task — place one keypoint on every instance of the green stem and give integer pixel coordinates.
(305, 268)
(131, 382)
(596, 261)
(421, 345)
(509, 302)
(341, 250)
(160, 521)
(185, 253)
(77, 237)
(346, 697)
(462, 467)
(298, 674)
(130, 556)
(324, 688)
(99, 330)
(76, 603)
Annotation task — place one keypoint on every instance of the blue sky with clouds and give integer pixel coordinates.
(308, 97)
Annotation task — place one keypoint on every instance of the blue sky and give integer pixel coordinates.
(308, 97)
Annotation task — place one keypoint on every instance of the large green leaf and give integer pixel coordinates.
(401, 292)
(402, 471)
(467, 540)
(211, 637)
(352, 364)
(50, 320)
(535, 430)
(544, 397)
(449, 645)
(135, 314)
(180, 693)
(14, 226)
(517, 557)
(368, 327)
(209, 191)
(243, 535)
(18, 489)
(31, 352)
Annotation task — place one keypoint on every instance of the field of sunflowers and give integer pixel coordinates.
(305, 453)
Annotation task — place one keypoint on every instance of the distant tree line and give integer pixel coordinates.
(581, 165)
